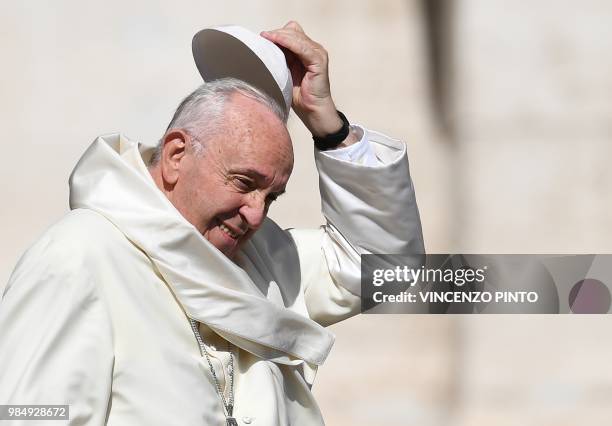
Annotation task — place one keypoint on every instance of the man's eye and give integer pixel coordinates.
(243, 184)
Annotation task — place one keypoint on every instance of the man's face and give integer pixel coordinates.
(226, 191)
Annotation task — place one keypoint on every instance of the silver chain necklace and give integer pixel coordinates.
(228, 405)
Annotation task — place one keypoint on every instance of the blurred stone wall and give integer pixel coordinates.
(505, 109)
(530, 112)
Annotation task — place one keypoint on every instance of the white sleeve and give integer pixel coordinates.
(360, 152)
(369, 209)
(56, 340)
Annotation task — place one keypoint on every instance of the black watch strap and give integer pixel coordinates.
(333, 140)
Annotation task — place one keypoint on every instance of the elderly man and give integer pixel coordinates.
(165, 297)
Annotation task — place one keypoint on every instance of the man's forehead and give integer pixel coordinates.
(254, 124)
(258, 139)
(260, 165)
(252, 138)
(259, 172)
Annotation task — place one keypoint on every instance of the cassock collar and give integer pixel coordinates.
(111, 178)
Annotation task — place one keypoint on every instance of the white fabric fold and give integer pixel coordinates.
(361, 152)
(373, 204)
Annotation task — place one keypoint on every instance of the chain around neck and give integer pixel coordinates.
(228, 405)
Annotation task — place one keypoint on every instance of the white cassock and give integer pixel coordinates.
(96, 313)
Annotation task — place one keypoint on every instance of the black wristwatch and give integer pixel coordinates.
(333, 140)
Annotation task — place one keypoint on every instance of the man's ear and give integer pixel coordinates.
(175, 142)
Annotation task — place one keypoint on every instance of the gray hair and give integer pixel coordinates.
(202, 110)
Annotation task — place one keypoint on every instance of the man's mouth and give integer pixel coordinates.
(228, 231)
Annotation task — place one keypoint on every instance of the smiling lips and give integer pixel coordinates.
(229, 232)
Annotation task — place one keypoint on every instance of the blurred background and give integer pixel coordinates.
(506, 108)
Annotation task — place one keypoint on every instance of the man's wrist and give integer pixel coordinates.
(353, 137)
(329, 124)
(335, 139)
(324, 121)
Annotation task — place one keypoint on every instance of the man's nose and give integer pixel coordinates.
(254, 210)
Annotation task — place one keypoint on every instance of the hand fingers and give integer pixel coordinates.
(299, 44)
(294, 26)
